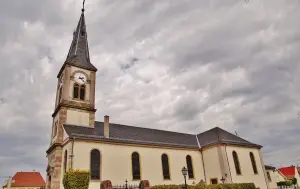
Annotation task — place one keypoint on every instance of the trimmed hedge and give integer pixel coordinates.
(75, 179)
(285, 183)
(211, 186)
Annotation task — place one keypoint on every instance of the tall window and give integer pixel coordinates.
(136, 172)
(95, 165)
(236, 163)
(79, 91)
(253, 163)
(55, 129)
(165, 166)
(59, 95)
(189, 165)
(269, 176)
(76, 91)
(82, 92)
(65, 161)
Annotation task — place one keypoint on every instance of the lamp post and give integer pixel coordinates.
(184, 173)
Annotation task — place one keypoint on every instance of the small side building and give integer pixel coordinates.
(28, 180)
(290, 173)
(274, 176)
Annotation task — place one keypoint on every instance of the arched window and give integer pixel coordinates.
(55, 129)
(76, 91)
(135, 160)
(65, 161)
(79, 91)
(82, 92)
(236, 163)
(59, 95)
(253, 163)
(95, 165)
(165, 166)
(189, 165)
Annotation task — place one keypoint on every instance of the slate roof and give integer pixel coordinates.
(27, 179)
(139, 135)
(268, 167)
(79, 50)
(220, 136)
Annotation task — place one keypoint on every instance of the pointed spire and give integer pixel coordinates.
(79, 50)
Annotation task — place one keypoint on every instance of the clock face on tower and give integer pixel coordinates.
(80, 78)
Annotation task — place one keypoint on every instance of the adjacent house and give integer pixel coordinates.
(274, 176)
(290, 172)
(27, 180)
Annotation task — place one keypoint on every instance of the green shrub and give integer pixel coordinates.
(76, 179)
(285, 183)
(210, 186)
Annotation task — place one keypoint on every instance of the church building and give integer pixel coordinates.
(117, 152)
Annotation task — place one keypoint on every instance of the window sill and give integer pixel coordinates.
(98, 180)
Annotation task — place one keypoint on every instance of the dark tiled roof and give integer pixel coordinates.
(220, 136)
(268, 167)
(130, 134)
(139, 135)
(79, 50)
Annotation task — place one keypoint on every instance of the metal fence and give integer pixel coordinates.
(126, 186)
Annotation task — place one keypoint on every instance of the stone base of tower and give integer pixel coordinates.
(54, 168)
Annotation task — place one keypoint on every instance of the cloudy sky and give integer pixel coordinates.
(178, 65)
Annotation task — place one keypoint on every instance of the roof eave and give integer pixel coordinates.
(233, 144)
(124, 141)
(94, 69)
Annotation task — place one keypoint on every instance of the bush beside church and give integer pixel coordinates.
(76, 179)
(211, 186)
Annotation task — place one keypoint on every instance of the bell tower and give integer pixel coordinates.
(75, 99)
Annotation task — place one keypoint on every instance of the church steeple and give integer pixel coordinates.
(79, 50)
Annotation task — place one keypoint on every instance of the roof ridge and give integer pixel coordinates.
(116, 124)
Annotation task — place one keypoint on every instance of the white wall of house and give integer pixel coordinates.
(273, 178)
(297, 176)
(247, 174)
(279, 176)
(116, 163)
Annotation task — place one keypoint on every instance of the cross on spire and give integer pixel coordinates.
(83, 6)
(79, 50)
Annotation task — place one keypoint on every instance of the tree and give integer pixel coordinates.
(294, 181)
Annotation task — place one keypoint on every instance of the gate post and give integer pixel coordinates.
(106, 184)
(144, 184)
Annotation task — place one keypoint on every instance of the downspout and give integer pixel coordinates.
(200, 149)
(72, 154)
(228, 163)
(203, 165)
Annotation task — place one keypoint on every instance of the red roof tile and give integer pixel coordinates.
(289, 172)
(28, 179)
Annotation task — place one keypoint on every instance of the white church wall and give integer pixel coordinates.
(247, 174)
(212, 164)
(116, 163)
(76, 117)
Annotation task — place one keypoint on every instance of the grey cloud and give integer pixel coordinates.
(183, 66)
